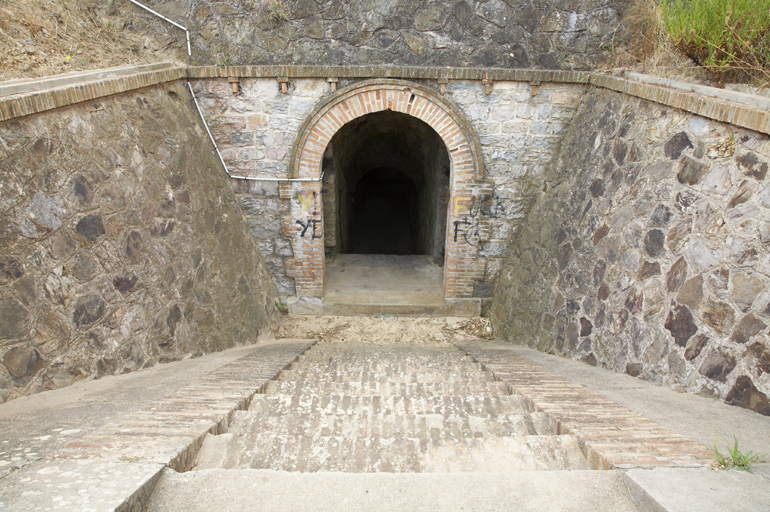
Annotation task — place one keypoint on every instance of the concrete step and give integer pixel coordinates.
(357, 405)
(311, 453)
(390, 352)
(391, 425)
(344, 306)
(388, 389)
(267, 491)
(316, 374)
(323, 368)
(366, 365)
(683, 490)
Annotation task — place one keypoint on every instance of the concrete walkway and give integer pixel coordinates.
(103, 444)
(697, 418)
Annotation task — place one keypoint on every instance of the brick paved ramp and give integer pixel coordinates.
(116, 466)
(360, 408)
(611, 436)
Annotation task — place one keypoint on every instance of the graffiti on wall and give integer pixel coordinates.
(310, 223)
(471, 211)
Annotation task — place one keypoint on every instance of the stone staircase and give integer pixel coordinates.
(365, 408)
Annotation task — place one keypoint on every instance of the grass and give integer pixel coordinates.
(281, 307)
(729, 38)
(734, 458)
(642, 44)
(716, 41)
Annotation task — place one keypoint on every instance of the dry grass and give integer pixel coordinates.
(47, 37)
(648, 47)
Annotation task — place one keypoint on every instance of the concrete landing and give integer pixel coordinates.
(371, 284)
(686, 490)
(269, 491)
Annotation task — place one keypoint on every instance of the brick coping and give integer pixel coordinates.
(742, 115)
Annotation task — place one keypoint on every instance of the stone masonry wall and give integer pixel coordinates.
(255, 131)
(563, 34)
(121, 243)
(647, 251)
(519, 133)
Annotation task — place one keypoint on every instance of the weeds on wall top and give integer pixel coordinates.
(730, 38)
(734, 458)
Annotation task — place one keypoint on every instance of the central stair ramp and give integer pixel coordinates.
(469, 426)
(362, 408)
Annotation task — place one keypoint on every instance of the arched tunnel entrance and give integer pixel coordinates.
(386, 187)
(422, 154)
(385, 197)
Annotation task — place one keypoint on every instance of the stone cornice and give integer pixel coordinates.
(403, 72)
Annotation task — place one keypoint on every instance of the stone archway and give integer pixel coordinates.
(466, 229)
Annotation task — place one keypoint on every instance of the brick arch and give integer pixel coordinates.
(375, 96)
(462, 266)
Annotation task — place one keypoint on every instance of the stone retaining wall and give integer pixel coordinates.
(122, 245)
(564, 34)
(646, 251)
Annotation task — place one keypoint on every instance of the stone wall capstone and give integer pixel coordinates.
(563, 34)
(121, 243)
(647, 251)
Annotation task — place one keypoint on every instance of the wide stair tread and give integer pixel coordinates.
(310, 453)
(356, 404)
(460, 387)
(327, 375)
(389, 425)
(404, 365)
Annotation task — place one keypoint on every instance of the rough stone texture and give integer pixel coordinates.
(678, 195)
(255, 131)
(513, 33)
(121, 246)
(519, 133)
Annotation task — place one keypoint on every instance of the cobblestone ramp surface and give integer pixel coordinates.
(363, 408)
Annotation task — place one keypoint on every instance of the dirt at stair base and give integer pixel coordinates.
(384, 329)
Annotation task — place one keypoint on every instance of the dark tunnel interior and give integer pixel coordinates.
(386, 187)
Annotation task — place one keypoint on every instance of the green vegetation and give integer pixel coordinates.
(731, 38)
(281, 307)
(734, 458)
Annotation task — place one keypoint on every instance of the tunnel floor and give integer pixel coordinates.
(384, 279)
